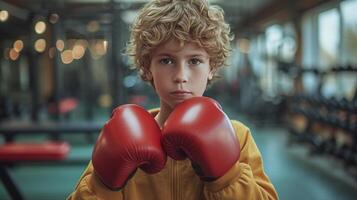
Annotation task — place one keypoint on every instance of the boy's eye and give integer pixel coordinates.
(195, 61)
(166, 61)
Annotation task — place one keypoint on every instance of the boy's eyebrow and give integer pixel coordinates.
(163, 54)
(190, 55)
(197, 55)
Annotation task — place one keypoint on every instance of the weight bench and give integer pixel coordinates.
(10, 153)
(11, 128)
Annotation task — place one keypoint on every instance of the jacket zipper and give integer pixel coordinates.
(174, 189)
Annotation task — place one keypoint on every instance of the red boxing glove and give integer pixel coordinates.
(200, 130)
(130, 139)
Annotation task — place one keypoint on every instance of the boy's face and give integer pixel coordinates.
(179, 72)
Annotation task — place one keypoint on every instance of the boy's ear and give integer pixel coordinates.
(212, 73)
(148, 75)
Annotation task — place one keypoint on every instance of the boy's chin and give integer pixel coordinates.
(176, 102)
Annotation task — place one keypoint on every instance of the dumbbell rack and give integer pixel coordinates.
(329, 126)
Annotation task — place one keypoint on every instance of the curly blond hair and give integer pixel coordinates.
(186, 20)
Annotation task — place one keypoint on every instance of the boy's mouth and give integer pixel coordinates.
(181, 94)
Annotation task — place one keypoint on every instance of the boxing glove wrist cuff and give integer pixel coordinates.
(101, 191)
(225, 180)
(199, 172)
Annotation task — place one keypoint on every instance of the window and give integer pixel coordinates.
(329, 38)
(349, 38)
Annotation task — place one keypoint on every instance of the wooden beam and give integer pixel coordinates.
(278, 11)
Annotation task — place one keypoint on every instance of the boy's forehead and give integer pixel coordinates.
(175, 46)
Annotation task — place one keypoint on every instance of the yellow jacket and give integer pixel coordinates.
(246, 180)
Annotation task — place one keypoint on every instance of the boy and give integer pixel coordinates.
(177, 46)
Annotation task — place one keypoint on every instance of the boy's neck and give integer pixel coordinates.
(163, 114)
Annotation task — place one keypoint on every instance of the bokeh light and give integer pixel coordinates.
(60, 45)
(54, 17)
(40, 45)
(40, 27)
(4, 15)
(67, 56)
(13, 54)
(18, 45)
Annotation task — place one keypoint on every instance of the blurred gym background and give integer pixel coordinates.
(291, 78)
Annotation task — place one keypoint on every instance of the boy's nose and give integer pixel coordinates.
(180, 75)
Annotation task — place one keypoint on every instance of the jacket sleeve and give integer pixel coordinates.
(90, 187)
(246, 179)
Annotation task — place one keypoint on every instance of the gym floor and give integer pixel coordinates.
(295, 174)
